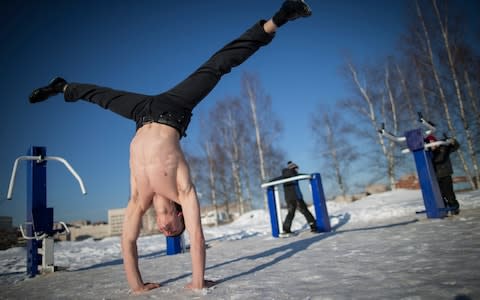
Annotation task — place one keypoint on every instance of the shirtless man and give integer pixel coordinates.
(159, 173)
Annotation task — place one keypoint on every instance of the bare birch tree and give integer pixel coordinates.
(394, 121)
(266, 127)
(333, 147)
(442, 24)
(229, 120)
(370, 112)
(212, 172)
(434, 68)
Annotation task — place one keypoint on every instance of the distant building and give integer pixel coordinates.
(96, 231)
(149, 222)
(83, 229)
(115, 220)
(408, 181)
(8, 235)
(116, 216)
(79, 223)
(6, 223)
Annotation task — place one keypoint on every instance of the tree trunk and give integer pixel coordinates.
(370, 114)
(458, 93)
(441, 91)
(258, 137)
(211, 169)
(393, 107)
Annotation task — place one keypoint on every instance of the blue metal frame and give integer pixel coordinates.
(273, 211)
(39, 216)
(320, 204)
(174, 245)
(432, 198)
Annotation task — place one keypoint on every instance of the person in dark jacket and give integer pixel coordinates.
(443, 171)
(294, 199)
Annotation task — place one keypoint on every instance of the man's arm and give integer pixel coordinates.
(130, 232)
(454, 145)
(191, 212)
(276, 178)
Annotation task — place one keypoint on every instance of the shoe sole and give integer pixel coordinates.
(307, 10)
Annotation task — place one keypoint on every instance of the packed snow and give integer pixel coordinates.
(379, 247)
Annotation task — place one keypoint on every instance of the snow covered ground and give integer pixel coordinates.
(379, 248)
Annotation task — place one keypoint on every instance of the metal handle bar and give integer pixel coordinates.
(430, 145)
(70, 168)
(40, 159)
(64, 226)
(397, 139)
(43, 235)
(429, 125)
(289, 179)
(35, 237)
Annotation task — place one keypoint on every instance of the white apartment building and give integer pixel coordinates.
(116, 216)
(115, 220)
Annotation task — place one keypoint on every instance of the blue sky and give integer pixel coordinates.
(147, 47)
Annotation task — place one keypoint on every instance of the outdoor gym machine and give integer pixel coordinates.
(39, 223)
(175, 245)
(432, 198)
(321, 214)
(40, 230)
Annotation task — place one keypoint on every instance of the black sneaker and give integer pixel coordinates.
(455, 211)
(55, 86)
(291, 10)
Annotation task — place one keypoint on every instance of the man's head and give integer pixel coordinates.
(171, 224)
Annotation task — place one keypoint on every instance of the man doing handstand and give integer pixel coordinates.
(159, 172)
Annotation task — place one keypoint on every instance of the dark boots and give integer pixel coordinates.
(55, 86)
(313, 227)
(291, 10)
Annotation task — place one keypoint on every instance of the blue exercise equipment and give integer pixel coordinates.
(175, 245)
(415, 140)
(319, 201)
(39, 221)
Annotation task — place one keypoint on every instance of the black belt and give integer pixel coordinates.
(179, 121)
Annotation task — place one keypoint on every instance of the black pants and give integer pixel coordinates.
(174, 107)
(292, 204)
(446, 189)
